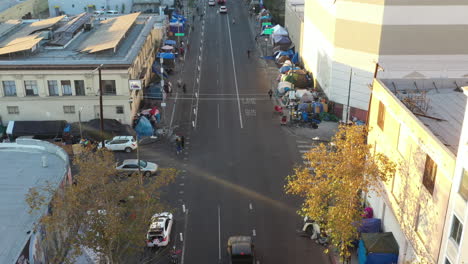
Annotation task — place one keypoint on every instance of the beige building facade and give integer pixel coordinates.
(44, 87)
(345, 38)
(294, 22)
(419, 129)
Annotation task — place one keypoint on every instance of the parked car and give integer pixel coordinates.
(211, 3)
(99, 12)
(241, 250)
(223, 9)
(120, 143)
(159, 232)
(130, 166)
(112, 12)
(221, 2)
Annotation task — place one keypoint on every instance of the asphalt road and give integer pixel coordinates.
(238, 156)
(233, 169)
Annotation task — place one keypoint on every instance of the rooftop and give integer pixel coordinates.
(438, 103)
(22, 169)
(77, 51)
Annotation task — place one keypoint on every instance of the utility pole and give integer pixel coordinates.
(100, 105)
(79, 120)
(349, 95)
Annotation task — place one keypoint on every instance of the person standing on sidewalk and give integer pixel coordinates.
(184, 89)
(182, 142)
(270, 93)
(248, 53)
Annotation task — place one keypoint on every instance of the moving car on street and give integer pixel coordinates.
(223, 9)
(159, 232)
(211, 3)
(221, 2)
(120, 143)
(241, 250)
(130, 166)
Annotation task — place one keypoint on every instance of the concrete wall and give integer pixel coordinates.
(407, 141)
(74, 7)
(294, 23)
(457, 253)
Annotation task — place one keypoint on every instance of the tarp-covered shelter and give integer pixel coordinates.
(299, 78)
(370, 225)
(378, 248)
(283, 87)
(37, 129)
(170, 42)
(280, 31)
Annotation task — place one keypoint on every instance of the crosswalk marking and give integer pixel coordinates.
(304, 146)
(301, 142)
(303, 151)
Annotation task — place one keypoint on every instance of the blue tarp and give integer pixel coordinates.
(295, 58)
(169, 42)
(288, 53)
(156, 68)
(144, 128)
(370, 225)
(166, 55)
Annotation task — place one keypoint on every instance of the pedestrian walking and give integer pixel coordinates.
(193, 18)
(182, 142)
(256, 38)
(179, 83)
(270, 93)
(248, 53)
(178, 145)
(188, 47)
(184, 89)
(233, 20)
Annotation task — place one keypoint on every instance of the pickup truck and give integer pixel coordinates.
(241, 250)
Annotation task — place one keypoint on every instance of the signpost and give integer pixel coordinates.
(266, 24)
(268, 31)
(179, 34)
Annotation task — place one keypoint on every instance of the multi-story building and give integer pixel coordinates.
(455, 240)
(417, 123)
(27, 164)
(75, 7)
(345, 38)
(55, 78)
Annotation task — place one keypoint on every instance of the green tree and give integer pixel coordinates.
(101, 211)
(342, 171)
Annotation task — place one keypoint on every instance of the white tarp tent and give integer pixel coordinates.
(279, 31)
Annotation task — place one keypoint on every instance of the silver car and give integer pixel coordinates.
(130, 166)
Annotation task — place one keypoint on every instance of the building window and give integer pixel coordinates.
(79, 87)
(53, 88)
(69, 109)
(119, 109)
(13, 110)
(463, 191)
(381, 116)
(456, 231)
(430, 171)
(403, 140)
(66, 87)
(9, 88)
(31, 88)
(109, 87)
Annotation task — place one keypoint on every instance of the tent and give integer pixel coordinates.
(280, 40)
(166, 55)
(299, 78)
(170, 42)
(370, 225)
(143, 128)
(280, 31)
(378, 248)
(283, 87)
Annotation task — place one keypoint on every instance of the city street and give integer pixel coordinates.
(237, 155)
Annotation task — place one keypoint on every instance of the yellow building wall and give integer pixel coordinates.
(420, 214)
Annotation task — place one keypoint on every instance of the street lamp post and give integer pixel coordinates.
(349, 95)
(100, 106)
(79, 122)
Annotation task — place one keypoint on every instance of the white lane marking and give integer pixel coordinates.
(183, 208)
(193, 124)
(250, 206)
(302, 142)
(304, 146)
(235, 74)
(219, 233)
(182, 184)
(173, 110)
(303, 151)
(183, 242)
(254, 233)
(181, 237)
(218, 115)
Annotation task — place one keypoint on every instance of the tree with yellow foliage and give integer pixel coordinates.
(100, 212)
(342, 170)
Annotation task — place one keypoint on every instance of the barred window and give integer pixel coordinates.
(69, 109)
(13, 110)
(119, 109)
